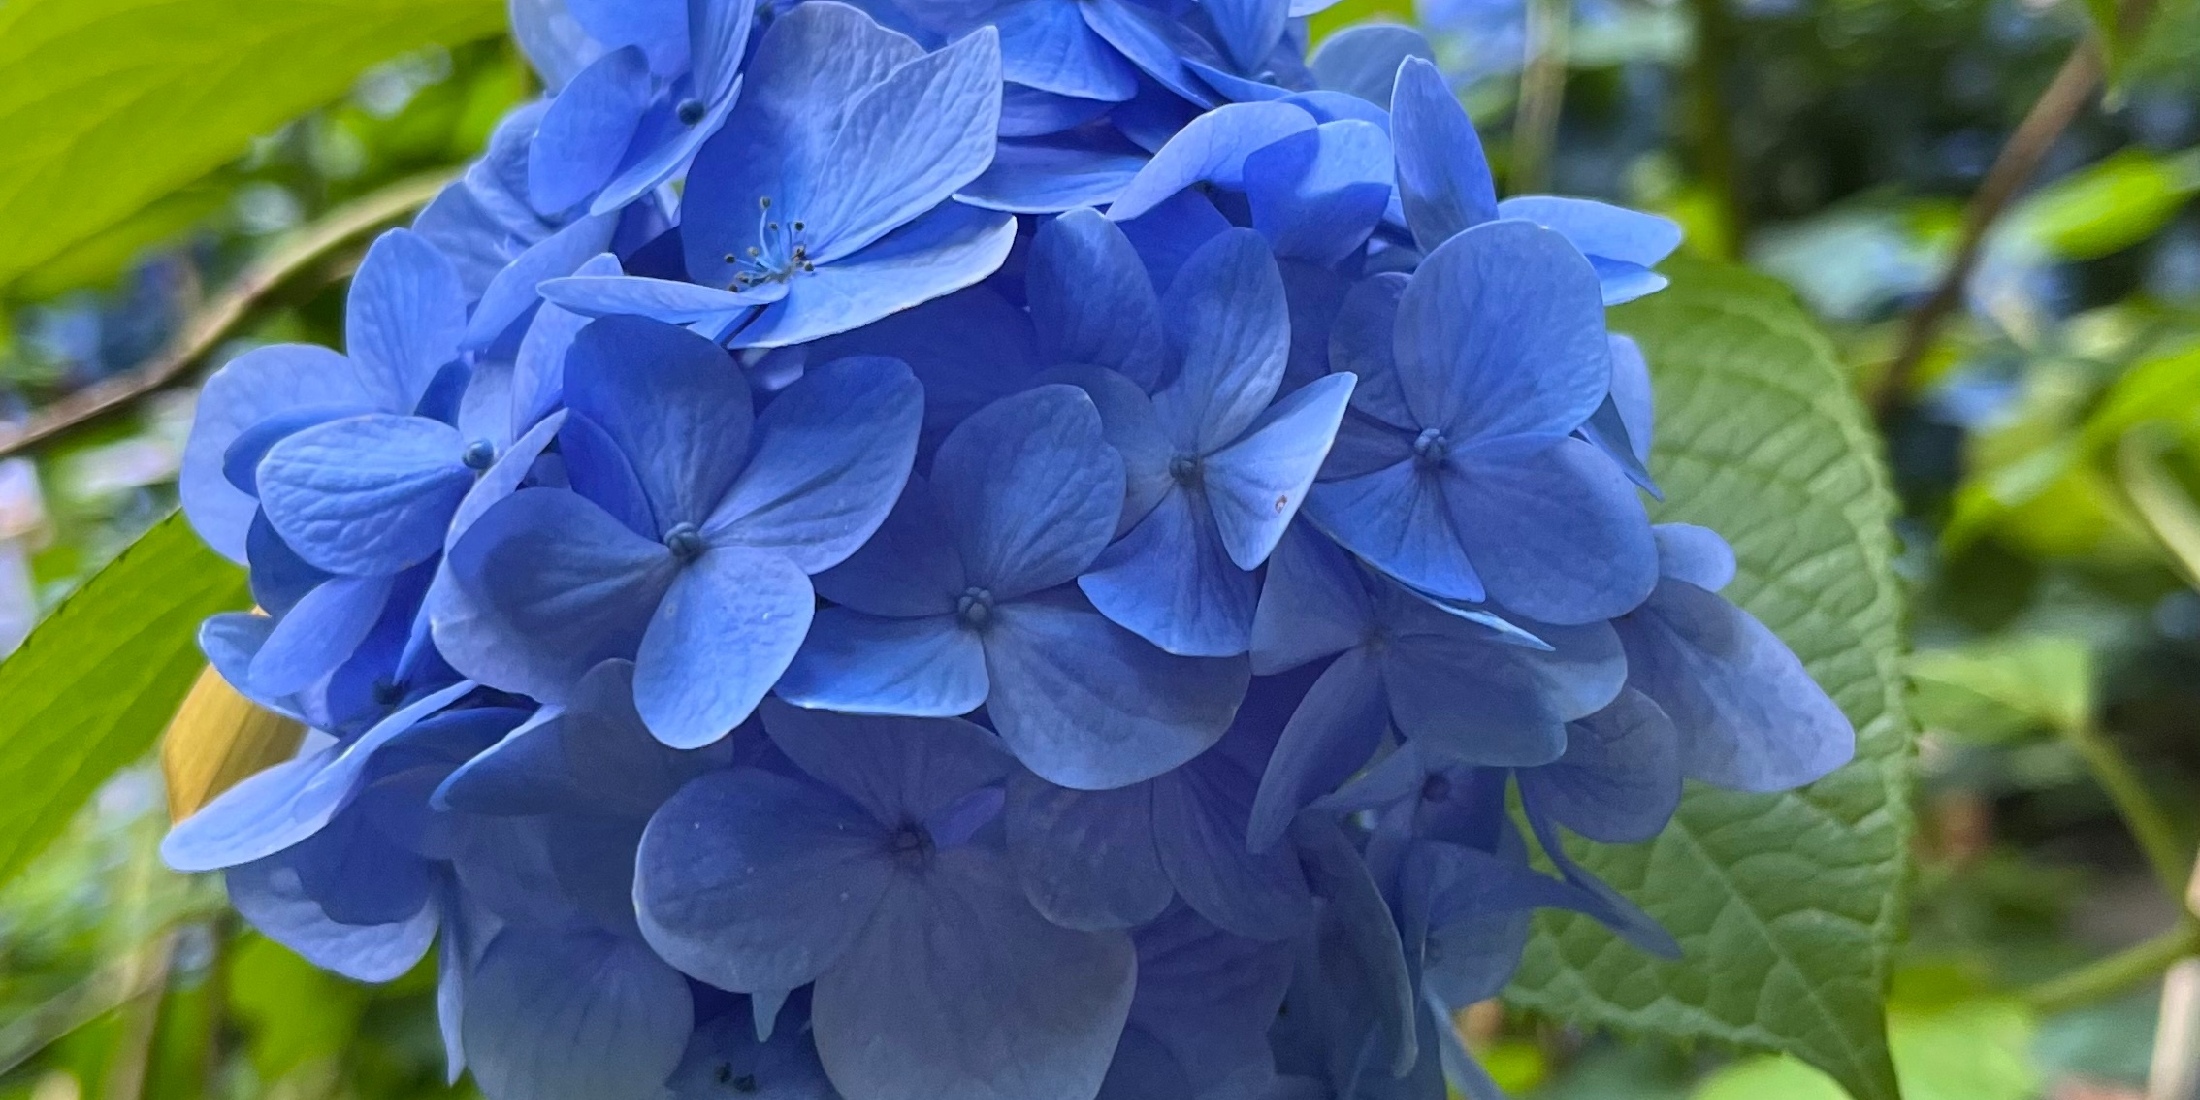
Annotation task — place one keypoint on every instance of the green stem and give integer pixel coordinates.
(2157, 835)
(1716, 162)
(2123, 971)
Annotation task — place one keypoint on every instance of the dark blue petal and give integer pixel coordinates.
(1128, 420)
(1620, 779)
(1046, 45)
(1362, 341)
(1091, 301)
(1168, 234)
(1087, 704)
(1056, 172)
(754, 881)
(1151, 40)
(515, 290)
(1621, 425)
(1485, 702)
(1087, 858)
(931, 667)
(1313, 604)
(503, 479)
(1199, 816)
(900, 770)
(959, 988)
(910, 568)
(1333, 734)
(1317, 194)
(318, 634)
(670, 301)
(726, 1054)
(573, 1016)
(672, 403)
(1400, 520)
(584, 135)
(1030, 489)
(1250, 29)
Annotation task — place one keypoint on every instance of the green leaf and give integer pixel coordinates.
(1788, 905)
(93, 685)
(2109, 206)
(2000, 689)
(111, 104)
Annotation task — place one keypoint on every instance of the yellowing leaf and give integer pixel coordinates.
(218, 738)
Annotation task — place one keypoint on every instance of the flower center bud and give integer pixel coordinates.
(974, 607)
(910, 842)
(1429, 447)
(685, 542)
(1436, 788)
(691, 111)
(480, 455)
(1185, 469)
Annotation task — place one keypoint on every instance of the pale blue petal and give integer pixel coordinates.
(831, 454)
(959, 988)
(718, 35)
(1255, 485)
(673, 404)
(1556, 533)
(404, 316)
(573, 1016)
(1210, 150)
(755, 881)
(1317, 194)
(1087, 858)
(904, 146)
(1055, 172)
(1750, 717)
(1091, 301)
(1694, 554)
(543, 587)
(318, 634)
(658, 27)
(1363, 60)
(862, 664)
(368, 496)
(1621, 426)
(951, 247)
(1443, 178)
(1087, 704)
(1046, 45)
(729, 625)
(250, 389)
(1030, 489)
(1171, 582)
(1501, 333)
(674, 303)
(1624, 244)
(1231, 329)
(584, 135)
(270, 897)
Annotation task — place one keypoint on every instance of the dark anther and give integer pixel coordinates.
(725, 1073)
(691, 111)
(798, 227)
(1429, 446)
(1185, 469)
(388, 693)
(911, 841)
(1436, 788)
(764, 202)
(685, 542)
(480, 455)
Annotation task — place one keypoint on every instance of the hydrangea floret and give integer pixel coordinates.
(1039, 550)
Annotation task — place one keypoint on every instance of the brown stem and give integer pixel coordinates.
(210, 325)
(2019, 161)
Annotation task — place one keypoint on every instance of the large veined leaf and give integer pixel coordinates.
(109, 105)
(93, 685)
(1788, 905)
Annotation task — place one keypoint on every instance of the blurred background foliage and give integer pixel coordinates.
(2045, 440)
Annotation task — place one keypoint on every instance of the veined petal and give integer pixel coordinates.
(573, 1016)
(1199, 828)
(404, 316)
(672, 403)
(516, 287)
(584, 135)
(1056, 172)
(1046, 45)
(1256, 484)
(1030, 489)
(1557, 533)
(730, 623)
(1086, 858)
(674, 303)
(1250, 29)
(1627, 242)
(718, 36)
(1231, 329)
(951, 247)
(900, 770)
(1620, 779)
(909, 568)
(1317, 194)
(755, 881)
(1091, 301)
(269, 895)
(1399, 520)
(367, 496)
(1330, 738)
(319, 633)
(1313, 604)
(1210, 150)
(1443, 178)
(254, 387)
(1363, 60)
(863, 664)
(1171, 582)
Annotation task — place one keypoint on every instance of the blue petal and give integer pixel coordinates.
(543, 587)
(1363, 60)
(1333, 734)
(503, 479)
(718, 36)
(749, 880)
(280, 578)
(951, 247)
(1557, 533)
(1091, 301)
(674, 303)
(1358, 941)
(909, 568)
(1621, 426)
(1620, 779)
(655, 26)
(516, 288)
(1046, 45)
(729, 625)
(1317, 194)
(1501, 333)
(573, 1016)
(1087, 858)
(1484, 702)
(1127, 419)
(726, 1050)
(1256, 484)
(1057, 172)
(318, 634)
(862, 664)
(1750, 716)
(904, 146)
(1250, 29)
(1030, 489)
(1694, 554)
(1231, 328)
(1028, 112)
(831, 454)
(554, 43)
(673, 404)
(1312, 605)
(250, 389)
(968, 349)
(671, 144)
(1199, 816)
(1443, 178)
(1398, 518)
(1363, 340)
(368, 496)
(1329, 106)
(1210, 999)
(283, 805)
(404, 316)
(900, 770)
(584, 135)
(1210, 150)
(1171, 582)
(1087, 704)
(1150, 40)
(959, 988)
(229, 641)
(1168, 234)
(1624, 244)
(523, 774)
(269, 895)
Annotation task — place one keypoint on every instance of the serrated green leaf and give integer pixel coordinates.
(1788, 905)
(94, 684)
(110, 104)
